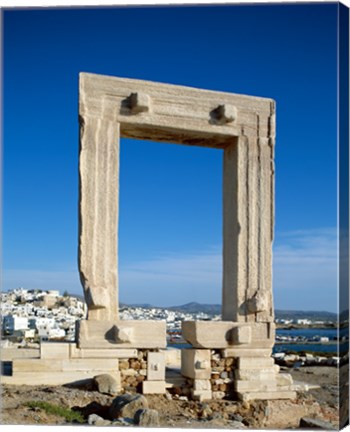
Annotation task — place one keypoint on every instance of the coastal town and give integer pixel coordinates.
(36, 315)
(30, 317)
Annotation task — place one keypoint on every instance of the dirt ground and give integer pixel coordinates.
(320, 403)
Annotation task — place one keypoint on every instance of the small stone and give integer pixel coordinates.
(123, 364)
(223, 387)
(206, 411)
(235, 417)
(130, 380)
(308, 422)
(229, 361)
(96, 420)
(237, 425)
(106, 384)
(215, 357)
(147, 417)
(129, 372)
(224, 375)
(135, 364)
(177, 390)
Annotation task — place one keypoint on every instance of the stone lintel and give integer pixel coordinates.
(179, 114)
(121, 334)
(223, 334)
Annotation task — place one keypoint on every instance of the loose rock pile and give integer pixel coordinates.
(284, 359)
(222, 375)
(133, 371)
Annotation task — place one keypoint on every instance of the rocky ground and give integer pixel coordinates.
(319, 403)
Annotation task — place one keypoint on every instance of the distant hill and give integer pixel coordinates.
(313, 315)
(141, 305)
(215, 309)
(194, 307)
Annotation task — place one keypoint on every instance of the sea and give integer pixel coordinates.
(310, 333)
(317, 347)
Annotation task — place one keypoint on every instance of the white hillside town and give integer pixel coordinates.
(47, 315)
(32, 316)
(40, 315)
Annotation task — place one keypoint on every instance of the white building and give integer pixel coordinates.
(12, 323)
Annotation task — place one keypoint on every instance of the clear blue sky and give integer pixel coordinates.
(170, 201)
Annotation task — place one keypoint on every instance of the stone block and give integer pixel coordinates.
(8, 354)
(37, 365)
(195, 363)
(47, 365)
(222, 334)
(53, 378)
(55, 350)
(172, 356)
(255, 374)
(252, 386)
(241, 335)
(127, 353)
(121, 334)
(255, 362)
(90, 364)
(139, 102)
(201, 395)
(156, 366)
(267, 395)
(153, 387)
(284, 379)
(245, 352)
(201, 384)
